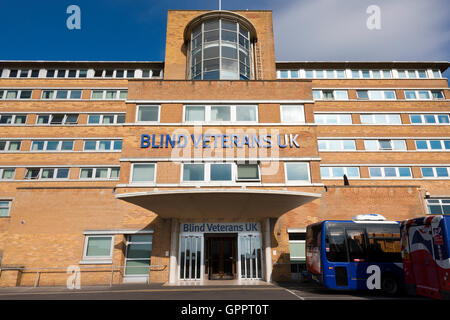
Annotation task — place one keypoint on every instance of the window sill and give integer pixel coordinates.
(96, 261)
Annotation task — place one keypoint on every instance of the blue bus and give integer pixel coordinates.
(356, 254)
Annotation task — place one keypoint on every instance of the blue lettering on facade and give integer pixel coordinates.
(220, 140)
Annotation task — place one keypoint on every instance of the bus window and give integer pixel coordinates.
(335, 245)
(383, 243)
(313, 236)
(356, 247)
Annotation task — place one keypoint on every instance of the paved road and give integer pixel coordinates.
(286, 291)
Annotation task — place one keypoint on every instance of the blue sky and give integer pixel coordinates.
(304, 29)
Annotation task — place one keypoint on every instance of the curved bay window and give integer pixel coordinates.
(220, 50)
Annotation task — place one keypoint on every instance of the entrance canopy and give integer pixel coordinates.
(219, 203)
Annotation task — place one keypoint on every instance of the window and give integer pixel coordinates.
(336, 145)
(148, 113)
(57, 119)
(432, 144)
(333, 118)
(435, 172)
(220, 172)
(390, 172)
(424, 94)
(330, 95)
(379, 118)
(338, 172)
(384, 144)
(297, 247)
(138, 255)
(371, 74)
(6, 145)
(52, 145)
(412, 74)
(15, 94)
(383, 243)
(13, 119)
(436, 74)
(143, 172)
(376, 94)
(429, 118)
(219, 50)
(7, 173)
(61, 94)
(106, 119)
(100, 173)
(46, 173)
(102, 145)
(221, 113)
(98, 247)
(4, 208)
(292, 114)
(248, 172)
(438, 206)
(336, 250)
(297, 171)
(109, 94)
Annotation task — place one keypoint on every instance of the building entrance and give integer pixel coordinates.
(220, 256)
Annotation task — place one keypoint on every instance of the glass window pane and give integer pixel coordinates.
(353, 172)
(337, 172)
(297, 171)
(47, 173)
(115, 172)
(97, 94)
(75, 94)
(220, 113)
(67, 145)
(443, 118)
(427, 172)
(8, 174)
(104, 145)
(375, 172)
(143, 172)
(137, 267)
(90, 145)
(52, 145)
(390, 172)
(399, 144)
(99, 247)
(404, 172)
(435, 144)
(61, 94)
(324, 172)
(415, 118)
(193, 172)
(62, 173)
(292, 114)
(194, 113)
(247, 171)
(37, 145)
(340, 95)
(410, 94)
(101, 173)
(424, 95)
(86, 173)
(245, 113)
(94, 119)
(371, 144)
(349, 144)
(220, 172)
(149, 113)
(441, 172)
(362, 94)
(389, 95)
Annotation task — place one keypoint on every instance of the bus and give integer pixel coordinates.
(359, 254)
(425, 244)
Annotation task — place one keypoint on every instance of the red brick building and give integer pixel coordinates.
(211, 164)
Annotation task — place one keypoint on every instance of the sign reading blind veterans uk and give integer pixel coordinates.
(219, 140)
(221, 227)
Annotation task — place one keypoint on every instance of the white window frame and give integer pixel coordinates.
(331, 177)
(439, 203)
(5, 91)
(302, 113)
(292, 181)
(397, 173)
(436, 118)
(428, 142)
(118, 91)
(339, 118)
(388, 122)
(155, 166)
(148, 105)
(334, 94)
(13, 119)
(379, 148)
(97, 145)
(94, 171)
(1, 174)
(8, 207)
(50, 118)
(207, 173)
(39, 176)
(435, 175)
(7, 146)
(58, 149)
(102, 115)
(232, 107)
(106, 259)
(341, 144)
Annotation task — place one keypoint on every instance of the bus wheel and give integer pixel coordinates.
(390, 285)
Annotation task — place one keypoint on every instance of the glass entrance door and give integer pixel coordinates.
(250, 253)
(191, 256)
(137, 258)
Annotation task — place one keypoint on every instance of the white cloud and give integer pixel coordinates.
(335, 30)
